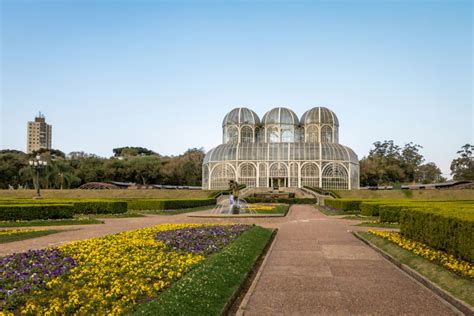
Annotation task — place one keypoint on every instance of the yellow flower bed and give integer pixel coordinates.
(446, 260)
(112, 273)
(11, 232)
(262, 208)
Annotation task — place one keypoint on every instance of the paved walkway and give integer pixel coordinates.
(315, 266)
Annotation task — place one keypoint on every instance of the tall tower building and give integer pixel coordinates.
(39, 134)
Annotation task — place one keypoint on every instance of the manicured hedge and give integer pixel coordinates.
(100, 207)
(390, 213)
(168, 204)
(35, 211)
(281, 200)
(448, 228)
(344, 204)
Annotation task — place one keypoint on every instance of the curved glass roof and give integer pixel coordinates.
(280, 116)
(241, 116)
(319, 115)
(281, 152)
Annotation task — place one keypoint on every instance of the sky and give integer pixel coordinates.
(163, 75)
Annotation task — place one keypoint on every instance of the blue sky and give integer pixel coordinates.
(162, 75)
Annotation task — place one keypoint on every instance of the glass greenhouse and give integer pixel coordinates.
(281, 151)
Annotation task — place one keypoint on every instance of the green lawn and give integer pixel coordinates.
(461, 288)
(118, 215)
(175, 212)
(51, 222)
(383, 225)
(26, 235)
(207, 289)
(361, 217)
(278, 209)
(330, 212)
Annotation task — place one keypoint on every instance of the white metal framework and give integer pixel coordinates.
(281, 150)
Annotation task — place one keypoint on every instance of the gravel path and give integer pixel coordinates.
(315, 266)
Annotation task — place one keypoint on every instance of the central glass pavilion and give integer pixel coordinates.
(281, 151)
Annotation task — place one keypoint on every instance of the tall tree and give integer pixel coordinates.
(462, 168)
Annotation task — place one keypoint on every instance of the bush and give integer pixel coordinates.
(390, 213)
(100, 207)
(16, 212)
(281, 200)
(344, 204)
(448, 228)
(370, 208)
(168, 204)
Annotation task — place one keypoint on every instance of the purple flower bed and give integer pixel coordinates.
(21, 273)
(203, 240)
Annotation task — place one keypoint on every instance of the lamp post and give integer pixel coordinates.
(37, 164)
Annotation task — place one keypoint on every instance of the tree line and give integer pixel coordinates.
(386, 164)
(129, 164)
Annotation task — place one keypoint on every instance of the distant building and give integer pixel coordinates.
(38, 134)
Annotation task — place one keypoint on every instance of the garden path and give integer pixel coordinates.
(316, 266)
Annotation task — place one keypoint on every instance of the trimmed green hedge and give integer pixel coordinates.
(100, 207)
(281, 200)
(35, 211)
(168, 204)
(390, 213)
(448, 229)
(344, 204)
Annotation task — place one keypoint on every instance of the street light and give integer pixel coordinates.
(37, 164)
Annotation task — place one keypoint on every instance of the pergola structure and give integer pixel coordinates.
(281, 151)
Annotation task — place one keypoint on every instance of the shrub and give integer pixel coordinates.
(282, 200)
(370, 208)
(448, 228)
(344, 204)
(35, 211)
(168, 204)
(390, 213)
(100, 207)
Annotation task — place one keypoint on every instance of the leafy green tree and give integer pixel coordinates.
(11, 161)
(462, 168)
(429, 173)
(132, 152)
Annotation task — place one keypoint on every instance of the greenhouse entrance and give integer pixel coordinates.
(277, 182)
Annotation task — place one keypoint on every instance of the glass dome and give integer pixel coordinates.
(241, 116)
(319, 115)
(280, 116)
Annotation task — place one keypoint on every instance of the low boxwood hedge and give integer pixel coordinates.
(100, 207)
(281, 200)
(16, 212)
(168, 204)
(447, 228)
(344, 204)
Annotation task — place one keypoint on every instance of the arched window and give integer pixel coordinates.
(278, 170)
(273, 135)
(335, 177)
(310, 175)
(232, 135)
(287, 135)
(326, 134)
(246, 135)
(248, 175)
(312, 134)
(220, 177)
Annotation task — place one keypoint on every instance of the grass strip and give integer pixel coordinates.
(207, 289)
(378, 224)
(279, 209)
(51, 222)
(27, 235)
(361, 217)
(118, 215)
(459, 287)
(176, 212)
(332, 212)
